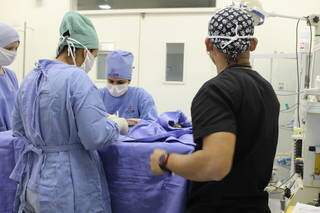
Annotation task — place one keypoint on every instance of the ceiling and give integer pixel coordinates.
(139, 4)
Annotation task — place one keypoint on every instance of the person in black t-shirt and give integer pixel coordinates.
(235, 123)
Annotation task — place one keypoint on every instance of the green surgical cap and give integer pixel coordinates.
(79, 28)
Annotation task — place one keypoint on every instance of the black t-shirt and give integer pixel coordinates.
(242, 102)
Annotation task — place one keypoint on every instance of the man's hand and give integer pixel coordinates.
(154, 161)
(212, 163)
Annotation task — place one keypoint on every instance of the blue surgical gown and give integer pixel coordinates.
(135, 103)
(61, 116)
(8, 90)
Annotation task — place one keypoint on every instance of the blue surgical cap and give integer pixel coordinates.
(119, 64)
(8, 35)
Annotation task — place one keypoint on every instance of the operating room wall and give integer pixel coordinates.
(118, 32)
(198, 68)
(42, 19)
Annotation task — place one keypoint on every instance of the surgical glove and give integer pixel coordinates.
(121, 122)
(133, 121)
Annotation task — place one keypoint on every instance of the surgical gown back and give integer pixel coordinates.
(60, 113)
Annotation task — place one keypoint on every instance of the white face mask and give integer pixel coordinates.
(117, 90)
(88, 62)
(7, 57)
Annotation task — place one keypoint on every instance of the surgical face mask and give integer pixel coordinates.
(88, 62)
(7, 57)
(117, 90)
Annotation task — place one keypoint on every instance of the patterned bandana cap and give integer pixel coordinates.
(230, 30)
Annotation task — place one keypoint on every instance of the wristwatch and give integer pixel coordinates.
(163, 160)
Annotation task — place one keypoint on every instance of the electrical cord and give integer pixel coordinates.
(276, 188)
(298, 74)
(310, 53)
(286, 180)
(283, 183)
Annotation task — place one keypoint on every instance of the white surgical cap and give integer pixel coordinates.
(8, 35)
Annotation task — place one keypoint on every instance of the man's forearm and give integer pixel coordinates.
(195, 167)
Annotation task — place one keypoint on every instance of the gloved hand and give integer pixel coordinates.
(122, 123)
(133, 121)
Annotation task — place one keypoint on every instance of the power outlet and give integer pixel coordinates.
(280, 86)
(314, 19)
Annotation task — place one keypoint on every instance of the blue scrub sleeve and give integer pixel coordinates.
(17, 124)
(94, 129)
(148, 110)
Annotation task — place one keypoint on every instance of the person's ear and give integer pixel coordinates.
(253, 44)
(209, 45)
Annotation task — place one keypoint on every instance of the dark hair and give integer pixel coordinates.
(62, 49)
(231, 60)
